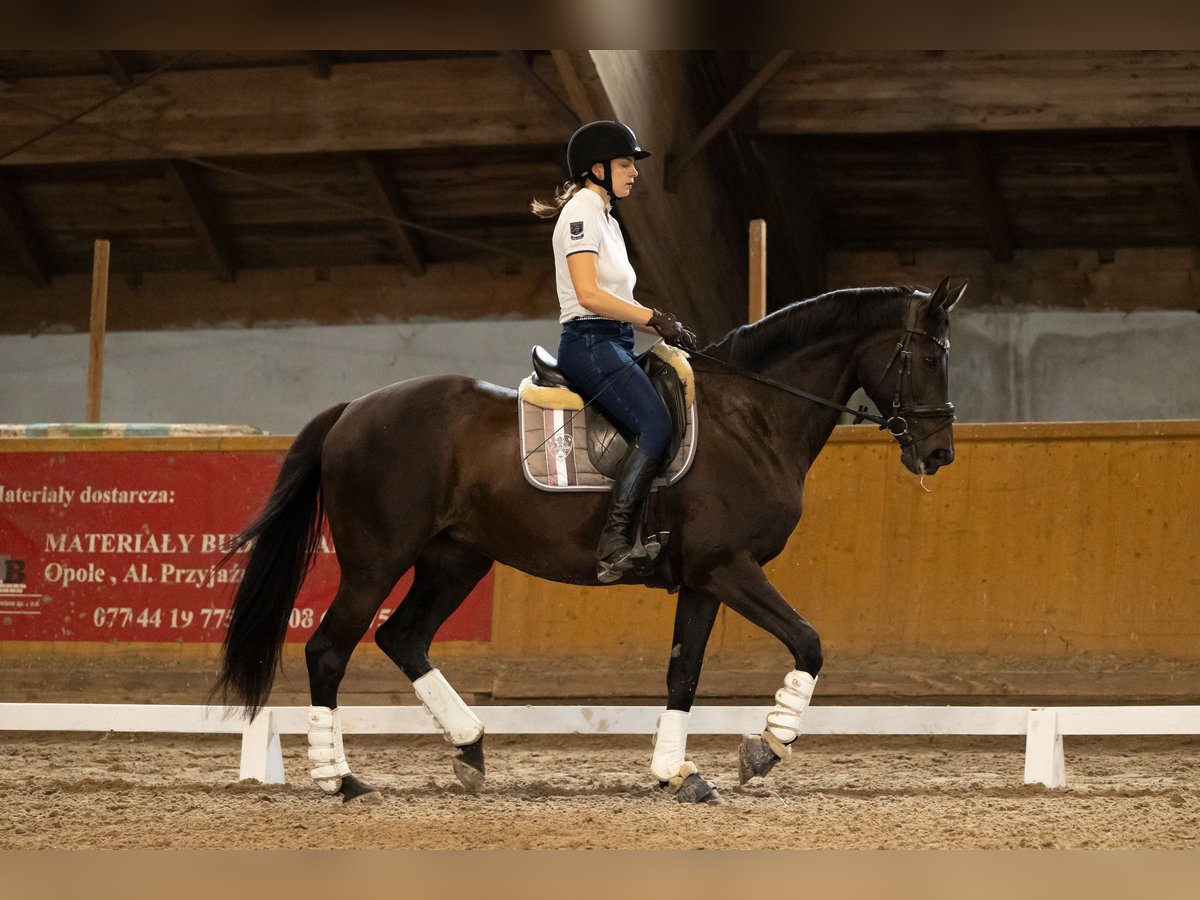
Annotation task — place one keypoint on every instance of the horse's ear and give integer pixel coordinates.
(938, 297)
(952, 297)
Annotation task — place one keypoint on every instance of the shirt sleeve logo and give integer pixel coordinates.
(576, 230)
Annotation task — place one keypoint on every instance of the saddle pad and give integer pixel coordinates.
(554, 445)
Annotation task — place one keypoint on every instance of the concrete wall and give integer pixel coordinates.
(272, 378)
(1007, 365)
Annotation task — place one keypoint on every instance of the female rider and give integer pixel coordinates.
(598, 313)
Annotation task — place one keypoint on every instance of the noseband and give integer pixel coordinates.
(903, 408)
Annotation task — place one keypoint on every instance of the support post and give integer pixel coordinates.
(262, 755)
(96, 341)
(1044, 750)
(758, 270)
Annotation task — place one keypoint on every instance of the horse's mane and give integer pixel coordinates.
(807, 321)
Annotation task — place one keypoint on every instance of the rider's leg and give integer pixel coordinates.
(598, 357)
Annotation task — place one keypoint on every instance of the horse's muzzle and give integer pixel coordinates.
(925, 456)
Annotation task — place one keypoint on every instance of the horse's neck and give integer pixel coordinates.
(826, 370)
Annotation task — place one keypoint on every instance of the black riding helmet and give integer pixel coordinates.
(601, 142)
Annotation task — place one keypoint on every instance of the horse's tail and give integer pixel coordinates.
(286, 537)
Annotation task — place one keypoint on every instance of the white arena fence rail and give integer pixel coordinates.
(262, 755)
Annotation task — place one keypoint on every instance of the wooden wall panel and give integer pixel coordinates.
(355, 294)
(1047, 561)
(1136, 278)
(1041, 542)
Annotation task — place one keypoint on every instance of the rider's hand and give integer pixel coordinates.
(671, 330)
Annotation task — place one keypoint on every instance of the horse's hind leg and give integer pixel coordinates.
(694, 616)
(444, 575)
(327, 653)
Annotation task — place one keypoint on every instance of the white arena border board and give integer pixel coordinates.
(262, 756)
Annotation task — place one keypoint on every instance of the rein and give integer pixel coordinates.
(860, 414)
(902, 407)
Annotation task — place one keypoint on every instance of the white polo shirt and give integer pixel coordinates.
(585, 226)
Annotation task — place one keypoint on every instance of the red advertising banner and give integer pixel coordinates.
(122, 547)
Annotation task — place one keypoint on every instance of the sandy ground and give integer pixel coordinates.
(123, 791)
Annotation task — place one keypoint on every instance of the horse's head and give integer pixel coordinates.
(906, 376)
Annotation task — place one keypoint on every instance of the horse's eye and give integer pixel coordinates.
(929, 362)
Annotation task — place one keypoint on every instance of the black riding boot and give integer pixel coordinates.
(614, 555)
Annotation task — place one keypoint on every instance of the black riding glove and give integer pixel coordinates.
(671, 330)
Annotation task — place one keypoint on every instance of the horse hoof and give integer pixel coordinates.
(468, 766)
(755, 758)
(696, 789)
(355, 791)
(471, 778)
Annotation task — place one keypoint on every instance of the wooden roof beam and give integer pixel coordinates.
(189, 186)
(910, 91)
(1187, 160)
(121, 65)
(369, 106)
(521, 62)
(722, 119)
(980, 170)
(573, 66)
(18, 230)
(320, 63)
(377, 174)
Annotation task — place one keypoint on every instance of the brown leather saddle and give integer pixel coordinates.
(607, 441)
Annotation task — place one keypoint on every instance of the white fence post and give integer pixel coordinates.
(262, 755)
(1044, 750)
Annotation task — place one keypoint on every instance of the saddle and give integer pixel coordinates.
(550, 417)
(553, 431)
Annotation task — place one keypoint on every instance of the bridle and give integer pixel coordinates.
(902, 410)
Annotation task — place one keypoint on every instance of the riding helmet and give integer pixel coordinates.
(600, 142)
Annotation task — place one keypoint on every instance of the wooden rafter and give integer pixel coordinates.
(521, 62)
(722, 119)
(981, 172)
(386, 192)
(121, 65)
(18, 230)
(570, 65)
(1187, 160)
(320, 63)
(189, 186)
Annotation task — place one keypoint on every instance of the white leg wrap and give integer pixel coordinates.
(783, 722)
(670, 744)
(325, 748)
(459, 725)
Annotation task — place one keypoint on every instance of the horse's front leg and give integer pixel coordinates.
(743, 586)
(694, 616)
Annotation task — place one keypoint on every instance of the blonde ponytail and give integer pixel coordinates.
(562, 194)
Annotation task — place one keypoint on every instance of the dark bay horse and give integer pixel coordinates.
(426, 474)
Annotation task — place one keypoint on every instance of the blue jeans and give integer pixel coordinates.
(597, 355)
